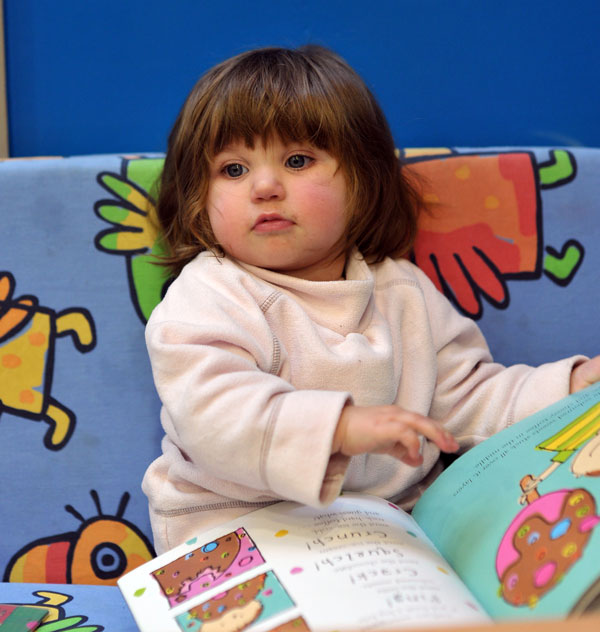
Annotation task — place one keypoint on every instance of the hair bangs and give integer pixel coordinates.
(291, 103)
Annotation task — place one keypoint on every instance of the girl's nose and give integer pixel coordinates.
(267, 186)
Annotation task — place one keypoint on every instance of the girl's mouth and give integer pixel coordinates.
(271, 222)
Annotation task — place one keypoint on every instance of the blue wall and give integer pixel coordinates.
(91, 76)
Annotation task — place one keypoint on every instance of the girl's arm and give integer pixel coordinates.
(476, 397)
(397, 432)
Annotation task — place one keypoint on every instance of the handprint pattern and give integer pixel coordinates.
(134, 233)
(483, 224)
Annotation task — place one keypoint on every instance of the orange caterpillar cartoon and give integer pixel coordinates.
(27, 336)
(99, 552)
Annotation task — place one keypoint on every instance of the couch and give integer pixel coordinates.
(511, 238)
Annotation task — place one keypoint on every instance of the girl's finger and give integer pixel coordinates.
(434, 431)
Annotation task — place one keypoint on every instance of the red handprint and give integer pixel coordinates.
(481, 226)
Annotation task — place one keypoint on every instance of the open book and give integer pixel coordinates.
(509, 530)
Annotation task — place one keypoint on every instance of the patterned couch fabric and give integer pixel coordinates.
(511, 238)
(78, 410)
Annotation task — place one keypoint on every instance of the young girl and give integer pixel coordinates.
(296, 353)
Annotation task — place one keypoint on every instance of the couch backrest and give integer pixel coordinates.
(511, 238)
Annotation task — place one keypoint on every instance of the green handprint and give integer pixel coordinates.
(560, 266)
(135, 232)
(52, 604)
(70, 623)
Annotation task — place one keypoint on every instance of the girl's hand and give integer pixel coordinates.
(585, 374)
(388, 430)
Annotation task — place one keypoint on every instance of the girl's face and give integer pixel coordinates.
(279, 206)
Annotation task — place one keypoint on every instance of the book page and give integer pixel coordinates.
(361, 564)
(517, 516)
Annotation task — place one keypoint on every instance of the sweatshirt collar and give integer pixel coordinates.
(343, 306)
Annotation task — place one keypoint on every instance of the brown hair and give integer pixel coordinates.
(306, 94)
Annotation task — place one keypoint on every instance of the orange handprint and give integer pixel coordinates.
(483, 224)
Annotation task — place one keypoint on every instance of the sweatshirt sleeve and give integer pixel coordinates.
(226, 410)
(475, 396)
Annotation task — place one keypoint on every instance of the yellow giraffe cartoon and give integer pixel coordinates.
(27, 339)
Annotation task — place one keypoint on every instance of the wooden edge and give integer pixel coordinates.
(4, 148)
(585, 623)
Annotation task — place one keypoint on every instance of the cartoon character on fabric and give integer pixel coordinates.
(99, 552)
(28, 333)
(134, 233)
(484, 223)
(57, 620)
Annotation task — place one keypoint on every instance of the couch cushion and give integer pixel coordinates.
(511, 238)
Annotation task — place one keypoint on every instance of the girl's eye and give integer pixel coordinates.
(235, 170)
(298, 161)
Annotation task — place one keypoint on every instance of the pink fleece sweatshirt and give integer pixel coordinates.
(254, 367)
